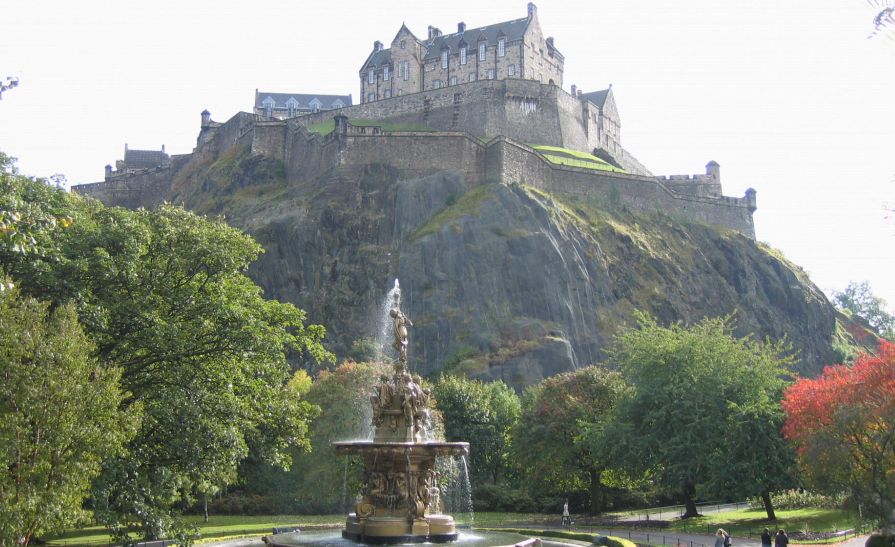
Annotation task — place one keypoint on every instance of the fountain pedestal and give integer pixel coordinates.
(401, 500)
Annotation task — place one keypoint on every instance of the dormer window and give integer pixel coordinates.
(268, 104)
(371, 76)
(444, 58)
(315, 105)
(463, 55)
(501, 47)
(482, 48)
(292, 105)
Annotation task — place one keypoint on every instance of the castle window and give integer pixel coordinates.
(501, 47)
(388, 93)
(453, 80)
(371, 76)
(463, 55)
(472, 76)
(400, 92)
(436, 84)
(385, 73)
(403, 44)
(511, 70)
(444, 58)
(371, 97)
(406, 66)
(482, 46)
(490, 74)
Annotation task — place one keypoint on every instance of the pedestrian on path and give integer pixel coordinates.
(722, 538)
(781, 540)
(766, 538)
(566, 517)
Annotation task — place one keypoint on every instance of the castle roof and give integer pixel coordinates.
(513, 31)
(379, 58)
(597, 97)
(301, 101)
(138, 159)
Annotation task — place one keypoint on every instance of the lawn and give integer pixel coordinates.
(750, 522)
(217, 527)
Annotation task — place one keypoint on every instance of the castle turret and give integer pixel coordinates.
(532, 10)
(206, 118)
(108, 172)
(751, 202)
(713, 170)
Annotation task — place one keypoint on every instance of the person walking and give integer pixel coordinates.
(781, 539)
(766, 538)
(566, 517)
(722, 538)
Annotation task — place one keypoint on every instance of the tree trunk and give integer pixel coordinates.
(596, 491)
(768, 505)
(205, 498)
(689, 502)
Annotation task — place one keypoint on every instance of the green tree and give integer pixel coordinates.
(483, 415)
(858, 298)
(704, 417)
(344, 395)
(556, 438)
(164, 296)
(59, 418)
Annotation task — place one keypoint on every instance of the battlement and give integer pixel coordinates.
(309, 155)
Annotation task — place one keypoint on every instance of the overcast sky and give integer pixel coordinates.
(789, 96)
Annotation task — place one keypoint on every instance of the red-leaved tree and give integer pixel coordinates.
(843, 425)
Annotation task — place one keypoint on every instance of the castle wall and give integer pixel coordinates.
(522, 165)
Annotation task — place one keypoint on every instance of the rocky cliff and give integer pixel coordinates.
(500, 281)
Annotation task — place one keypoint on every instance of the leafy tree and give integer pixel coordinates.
(164, 297)
(481, 414)
(59, 418)
(843, 423)
(556, 438)
(705, 412)
(344, 395)
(858, 298)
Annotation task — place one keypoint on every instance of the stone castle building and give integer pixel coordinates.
(485, 102)
(279, 106)
(512, 49)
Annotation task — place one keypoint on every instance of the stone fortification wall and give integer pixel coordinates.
(144, 189)
(525, 110)
(523, 165)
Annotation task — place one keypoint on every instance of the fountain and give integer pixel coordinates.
(401, 500)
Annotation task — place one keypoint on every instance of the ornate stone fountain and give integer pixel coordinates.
(401, 499)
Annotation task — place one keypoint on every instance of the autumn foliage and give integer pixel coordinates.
(843, 424)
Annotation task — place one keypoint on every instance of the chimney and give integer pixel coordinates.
(550, 42)
(461, 27)
(574, 87)
(377, 46)
(434, 32)
(532, 10)
(163, 149)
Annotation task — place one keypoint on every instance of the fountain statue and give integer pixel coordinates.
(401, 499)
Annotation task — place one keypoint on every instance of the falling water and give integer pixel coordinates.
(457, 489)
(384, 339)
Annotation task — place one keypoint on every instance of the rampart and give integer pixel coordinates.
(308, 156)
(527, 111)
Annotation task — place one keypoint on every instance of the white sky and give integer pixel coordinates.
(789, 96)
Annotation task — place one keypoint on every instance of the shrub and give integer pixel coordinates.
(502, 498)
(880, 540)
(802, 499)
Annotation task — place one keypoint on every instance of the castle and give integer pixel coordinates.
(486, 102)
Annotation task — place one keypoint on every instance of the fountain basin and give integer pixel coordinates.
(465, 538)
(423, 449)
